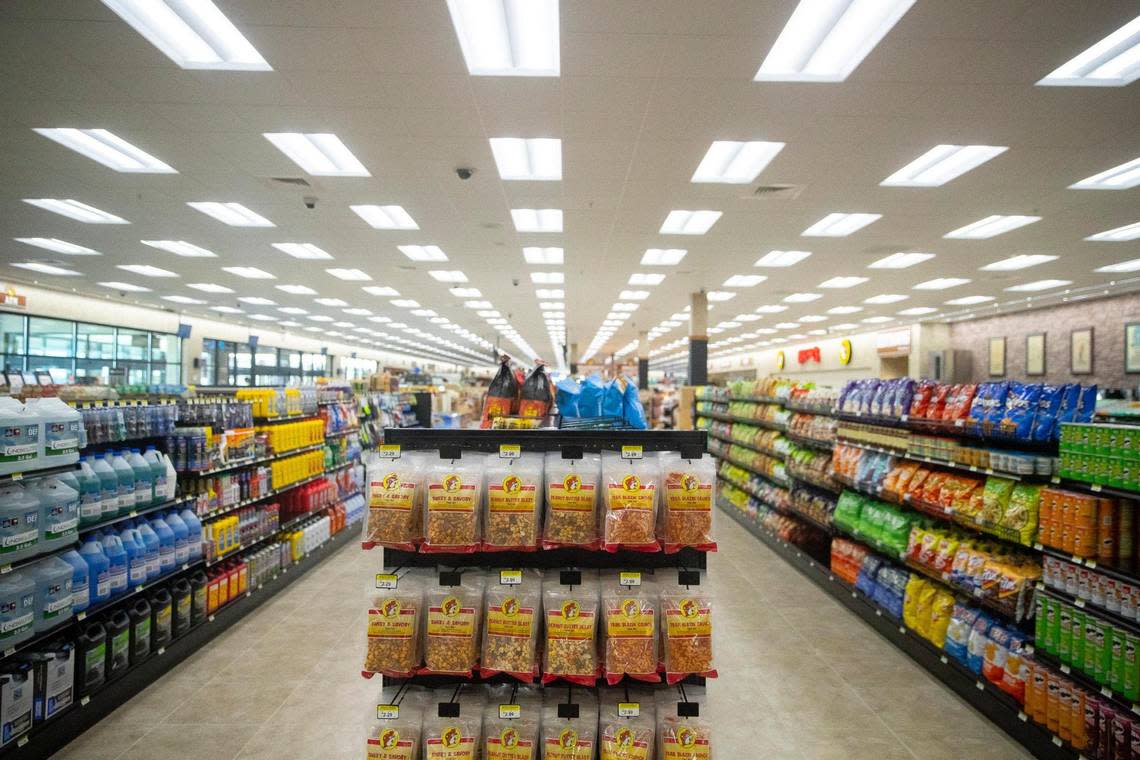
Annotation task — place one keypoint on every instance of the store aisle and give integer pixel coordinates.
(808, 680)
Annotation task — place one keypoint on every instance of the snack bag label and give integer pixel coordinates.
(687, 620)
(572, 495)
(510, 619)
(389, 745)
(451, 618)
(623, 744)
(685, 744)
(391, 621)
(451, 494)
(631, 493)
(689, 494)
(392, 492)
(570, 621)
(567, 746)
(629, 620)
(451, 744)
(512, 495)
(508, 745)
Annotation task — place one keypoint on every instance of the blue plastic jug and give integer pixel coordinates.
(158, 473)
(80, 583)
(136, 557)
(98, 570)
(52, 577)
(194, 528)
(59, 515)
(181, 537)
(151, 542)
(108, 484)
(166, 560)
(117, 559)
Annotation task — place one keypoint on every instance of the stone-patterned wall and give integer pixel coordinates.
(1106, 316)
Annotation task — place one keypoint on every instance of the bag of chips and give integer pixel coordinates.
(502, 397)
(563, 735)
(630, 629)
(590, 398)
(514, 503)
(1086, 403)
(1045, 420)
(684, 737)
(1070, 399)
(510, 726)
(395, 623)
(454, 491)
(978, 642)
(995, 652)
(566, 394)
(687, 503)
(1020, 410)
(571, 613)
(687, 627)
(941, 607)
(995, 499)
(511, 626)
(451, 636)
(627, 723)
(962, 620)
(395, 502)
(936, 409)
(456, 738)
(536, 396)
(914, 589)
(920, 401)
(394, 725)
(630, 515)
(572, 487)
(1021, 512)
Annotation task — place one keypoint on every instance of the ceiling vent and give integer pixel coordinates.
(295, 181)
(776, 192)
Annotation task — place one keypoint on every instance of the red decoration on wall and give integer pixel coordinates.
(809, 355)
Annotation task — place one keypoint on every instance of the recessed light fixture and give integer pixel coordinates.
(787, 325)
(126, 287)
(802, 297)
(969, 300)
(781, 258)
(941, 283)
(900, 260)
(537, 219)
(331, 301)
(518, 158)
(406, 303)
(550, 293)
(840, 224)
(321, 318)
(297, 290)
(344, 324)
(1111, 62)
(1119, 234)
(885, 298)
(303, 250)
(448, 275)
(319, 153)
(744, 280)
(233, 214)
(623, 306)
(38, 266)
(423, 252)
(662, 257)
(1124, 266)
(1118, 177)
(917, 311)
(773, 308)
(844, 326)
(720, 295)
(1032, 287)
(380, 290)
(941, 164)
(146, 270)
(534, 255)
(478, 304)
(810, 318)
(195, 35)
(843, 282)
(180, 248)
(250, 273)
(380, 319)
(555, 305)
(351, 275)
(633, 295)
(183, 300)
(292, 310)
(108, 149)
(263, 317)
(646, 278)
(58, 246)
(991, 226)
(508, 37)
(1021, 261)
(73, 209)
(681, 222)
(735, 163)
(876, 320)
(547, 278)
(209, 287)
(465, 292)
(385, 217)
(825, 41)
(845, 310)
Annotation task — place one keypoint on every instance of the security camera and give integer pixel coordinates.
(310, 201)
(515, 281)
(464, 173)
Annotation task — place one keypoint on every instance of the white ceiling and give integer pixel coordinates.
(646, 86)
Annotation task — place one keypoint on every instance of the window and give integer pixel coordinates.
(94, 341)
(12, 341)
(51, 337)
(208, 363)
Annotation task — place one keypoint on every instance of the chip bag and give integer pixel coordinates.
(502, 397)
(454, 490)
(395, 623)
(623, 736)
(510, 727)
(630, 513)
(513, 503)
(941, 608)
(455, 738)
(571, 613)
(978, 642)
(572, 487)
(536, 397)
(1022, 511)
(995, 498)
(511, 626)
(394, 734)
(957, 639)
(683, 738)
(451, 635)
(395, 502)
(689, 487)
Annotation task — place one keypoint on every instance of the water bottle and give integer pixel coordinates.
(98, 570)
(90, 493)
(136, 557)
(117, 562)
(80, 583)
(194, 529)
(126, 475)
(157, 474)
(166, 560)
(144, 479)
(181, 537)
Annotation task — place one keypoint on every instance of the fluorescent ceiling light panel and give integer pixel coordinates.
(1112, 62)
(146, 270)
(233, 214)
(537, 219)
(547, 278)
(840, 224)
(293, 310)
(380, 290)
(941, 164)
(319, 153)
(183, 300)
(250, 273)
(681, 222)
(662, 257)
(518, 158)
(108, 149)
(744, 280)
(37, 266)
(209, 287)
(646, 278)
(824, 40)
(773, 308)
(877, 320)
(380, 320)
(351, 275)
(479, 304)
(535, 255)
(423, 252)
(885, 298)
(1118, 177)
(73, 209)
(810, 318)
(991, 226)
(735, 163)
(969, 300)
(448, 275)
(126, 287)
(633, 295)
(787, 325)
(802, 297)
(941, 283)
(1033, 287)
(628, 307)
(1119, 234)
(1021, 261)
(917, 311)
(843, 282)
(263, 317)
(465, 292)
(550, 293)
(1123, 266)
(555, 305)
(385, 217)
(331, 301)
(344, 324)
(192, 33)
(781, 258)
(321, 318)
(508, 37)
(180, 248)
(845, 309)
(303, 251)
(900, 260)
(58, 246)
(720, 295)
(406, 303)
(297, 290)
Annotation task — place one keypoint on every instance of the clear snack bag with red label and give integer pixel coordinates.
(630, 503)
(572, 497)
(514, 490)
(452, 499)
(395, 502)
(451, 627)
(395, 622)
(688, 493)
(511, 624)
(571, 614)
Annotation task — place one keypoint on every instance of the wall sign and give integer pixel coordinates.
(809, 355)
(779, 360)
(846, 352)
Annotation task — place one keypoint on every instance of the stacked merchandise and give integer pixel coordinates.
(1104, 454)
(770, 389)
(769, 442)
(875, 523)
(765, 465)
(772, 416)
(512, 401)
(814, 505)
(811, 399)
(812, 429)
(813, 467)
(1090, 526)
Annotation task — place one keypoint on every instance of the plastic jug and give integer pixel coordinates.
(19, 523)
(136, 556)
(181, 537)
(15, 701)
(62, 430)
(158, 474)
(59, 516)
(162, 618)
(98, 570)
(199, 587)
(126, 475)
(90, 493)
(17, 609)
(140, 630)
(19, 437)
(182, 597)
(171, 477)
(118, 643)
(194, 533)
(151, 542)
(166, 562)
(80, 584)
(108, 483)
(144, 479)
(53, 672)
(117, 562)
(52, 577)
(90, 658)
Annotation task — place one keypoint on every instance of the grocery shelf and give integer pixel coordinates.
(1094, 488)
(832, 488)
(1117, 620)
(1091, 564)
(771, 479)
(827, 528)
(756, 400)
(549, 558)
(285, 418)
(16, 476)
(994, 704)
(1086, 681)
(949, 428)
(811, 443)
(974, 595)
(451, 443)
(438, 680)
(767, 452)
(952, 465)
(237, 464)
(767, 424)
(342, 433)
(819, 411)
(271, 493)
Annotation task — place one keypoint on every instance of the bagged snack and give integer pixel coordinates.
(1020, 410)
(1086, 403)
(978, 642)
(510, 733)
(920, 401)
(1021, 512)
(572, 487)
(395, 621)
(571, 614)
(502, 394)
(514, 503)
(454, 489)
(683, 738)
(936, 409)
(630, 629)
(1067, 409)
(1015, 672)
(1045, 421)
(687, 627)
(995, 498)
(569, 738)
(687, 506)
(941, 609)
(590, 398)
(630, 516)
(536, 397)
(995, 653)
(626, 737)
(395, 502)
(453, 738)
(958, 632)
(394, 734)
(511, 626)
(451, 636)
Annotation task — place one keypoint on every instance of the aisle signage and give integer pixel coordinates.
(510, 577)
(389, 451)
(510, 712)
(846, 352)
(809, 355)
(387, 712)
(510, 451)
(631, 452)
(779, 360)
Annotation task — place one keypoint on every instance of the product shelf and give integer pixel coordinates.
(342, 433)
(272, 492)
(773, 480)
(1094, 488)
(1115, 618)
(18, 476)
(1086, 681)
(833, 488)
(811, 443)
(974, 595)
(819, 411)
(775, 401)
(827, 528)
(767, 452)
(285, 418)
(1091, 564)
(748, 490)
(767, 424)
(944, 463)
(251, 461)
(951, 428)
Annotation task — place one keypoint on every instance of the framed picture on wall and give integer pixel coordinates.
(1132, 347)
(997, 357)
(1035, 354)
(1081, 351)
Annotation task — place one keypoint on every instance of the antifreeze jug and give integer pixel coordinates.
(194, 533)
(162, 614)
(108, 485)
(140, 630)
(98, 570)
(157, 474)
(19, 523)
(59, 515)
(17, 609)
(151, 542)
(90, 493)
(126, 475)
(80, 583)
(144, 479)
(182, 595)
(118, 643)
(136, 557)
(62, 431)
(19, 437)
(117, 562)
(181, 537)
(90, 658)
(166, 561)
(52, 577)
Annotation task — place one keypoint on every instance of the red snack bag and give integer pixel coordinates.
(536, 397)
(502, 394)
(936, 407)
(920, 402)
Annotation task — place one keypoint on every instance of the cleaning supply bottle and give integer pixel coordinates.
(126, 475)
(17, 609)
(19, 523)
(182, 595)
(181, 537)
(158, 474)
(140, 615)
(59, 515)
(20, 437)
(144, 479)
(108, 485)
(117, 562)
(151, 542)
(90, 658)
(90, 493)
(166, 561)
(194, 531)
(62, 430)
(171, 477)
(52, 577)
(98, 570)
(136, 556)
(80, 583)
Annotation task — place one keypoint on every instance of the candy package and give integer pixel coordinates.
(631, 493)
(454, 494)
(514, 502)
(622, 735)
(395, 622)
(689, 486)
(394, 734)
(502, 394)
(395, 502)
(571, 613)
(453, 738)
(511, 626)
(572, 488)
(454, 612)
(681, 736)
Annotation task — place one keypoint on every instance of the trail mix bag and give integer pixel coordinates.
(451, 634)
(454, 492)
(572, 490)
(689, 489)
(514, 503)
(569, 738)
(630, 515)
(571, 614)
(630, 628)
(624, 736)
(687, 628)
(395, 502)
(511, 719)
(395, 621)
(453, 738)
(511, 626)
(394, 726)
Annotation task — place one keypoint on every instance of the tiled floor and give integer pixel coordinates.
(801, 678)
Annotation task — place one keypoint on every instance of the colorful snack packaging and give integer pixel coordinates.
(395, 622)
(1045, 421)
(630, 629)
(683, 737)
(451, 635)
(453, 738)
(623, 736)
(957, 638)
(395, 502)
(630, 514)
(510, 726)
(514, 502)
(511, 625)
(978, 641)
(920, 402)
(502, 397)
(536, 395)
(1020, 410)
(395, 734)
(1021, 513)
(1015, 671)
(941, 608)
(454, 493)
(571, 614)
(572, 489)
(1086, 403)
(687, 627)
(569, 738)
(995, 653)
(1067, 410)
(689, 486)
(936, 408)
(995, 499)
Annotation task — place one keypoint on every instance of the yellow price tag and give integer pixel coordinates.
(386, 581)
(629, 709)
(631, 452)
(510, 712)
(630, 579)
(510, 577)
(387, 712)
(389, 451)
(510, 451)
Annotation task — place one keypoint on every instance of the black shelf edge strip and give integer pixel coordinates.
(690, 443)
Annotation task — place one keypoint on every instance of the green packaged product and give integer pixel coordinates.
(1092, 651)
(1103, 664)
(1052, 626)
(1039, 622)
(1078, 647)
(1065, 638)
(1116, 663)
(1129, 684)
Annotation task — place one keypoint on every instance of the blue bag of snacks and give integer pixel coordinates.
(962, 621)
(865, 581)
(890, 590)
(566, 395)
(995, 405)
(632, 410)
(977, 415)
(613, 398)
(1045, 422)
(976, 644)
(1020, 410)
(590, 398)
(1086, 403)
(1070, 397)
